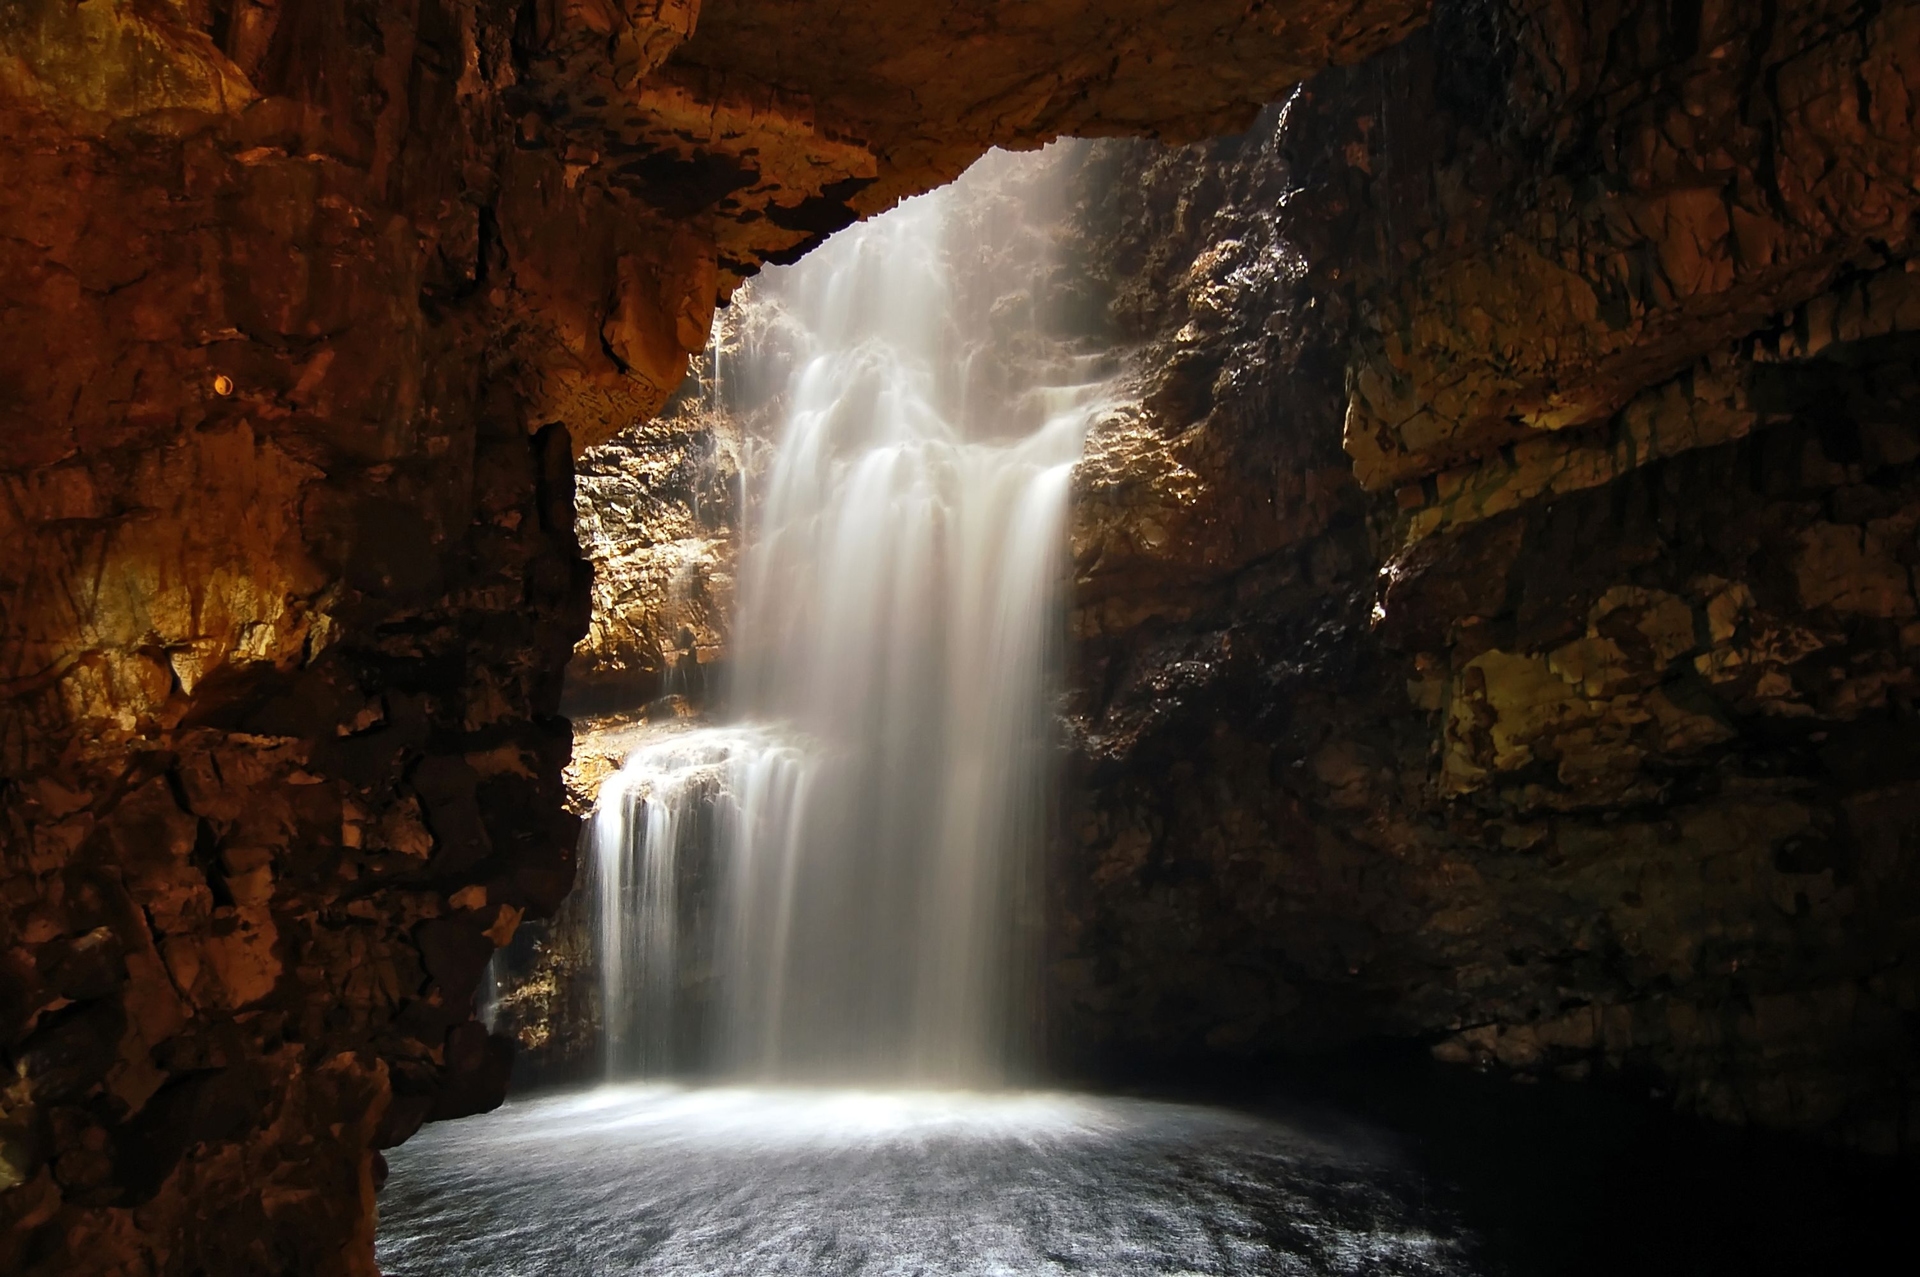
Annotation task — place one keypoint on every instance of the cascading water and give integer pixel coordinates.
(842, 883)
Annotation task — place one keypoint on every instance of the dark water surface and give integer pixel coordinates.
(1371, 1167)
(648, 1179)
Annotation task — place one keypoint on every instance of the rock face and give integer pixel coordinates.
(290, 581)
(658, 513)
(1564, 716)
(306, 309)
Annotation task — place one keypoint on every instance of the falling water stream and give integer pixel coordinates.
(836, 885)
(866, 825)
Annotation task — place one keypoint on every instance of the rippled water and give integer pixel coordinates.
(665, 1180)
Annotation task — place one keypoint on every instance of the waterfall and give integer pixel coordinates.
(843, 881)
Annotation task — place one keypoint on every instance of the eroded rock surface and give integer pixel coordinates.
(658, 514)
(1601, 195)
(1594, 754)
(289, 581)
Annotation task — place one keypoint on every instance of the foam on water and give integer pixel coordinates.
(844, 1182)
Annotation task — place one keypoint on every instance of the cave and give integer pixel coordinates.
(701, 636)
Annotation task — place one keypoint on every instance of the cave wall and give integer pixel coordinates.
(657, 511)
(1496, 618)
(307, 308)
(290, 576)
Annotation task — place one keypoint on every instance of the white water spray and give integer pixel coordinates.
(843, 883)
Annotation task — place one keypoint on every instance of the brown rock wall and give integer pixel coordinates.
(1587, 198)
(658, 514)
(290, 581)
(1593, 754)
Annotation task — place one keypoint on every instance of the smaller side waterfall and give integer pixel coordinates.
(842, 884)
(736, 790)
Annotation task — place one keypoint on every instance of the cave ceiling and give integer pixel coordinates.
(781, 122)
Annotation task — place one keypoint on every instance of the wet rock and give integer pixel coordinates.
(658, 514)
(1532, 726)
